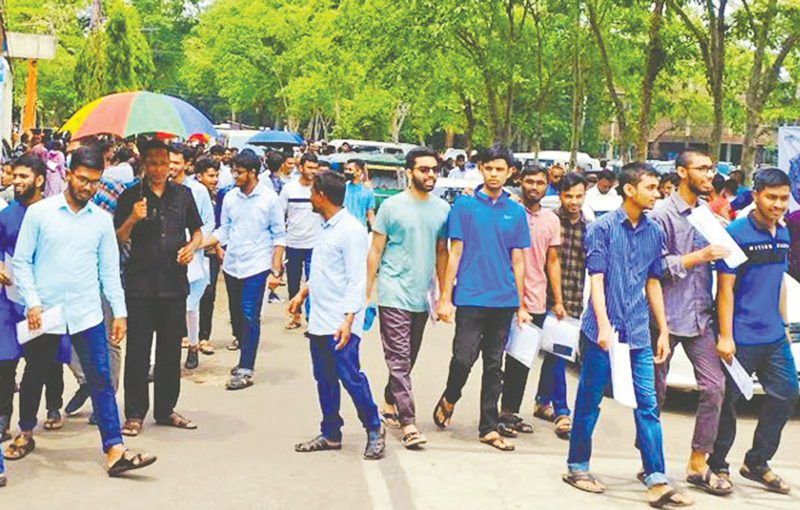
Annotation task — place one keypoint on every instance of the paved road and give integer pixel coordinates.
(242, 455)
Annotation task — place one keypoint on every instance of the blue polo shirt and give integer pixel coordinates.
(358, 200)
(756, 293)
(489, 231)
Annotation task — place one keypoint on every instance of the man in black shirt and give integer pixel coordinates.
(155, 216)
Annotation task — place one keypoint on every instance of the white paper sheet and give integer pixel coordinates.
(11, 290)
(702, 218)
(52, 318)
(523, 343)
(431, 297)
(621, 372)
(195, 270)
(740, 376)
(561, 337)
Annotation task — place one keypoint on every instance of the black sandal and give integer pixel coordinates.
(777, 484)
(129, 463)
(17, 451)
(720, 487)
(575, 477)
(318, 444)
(441, 409)
(506, 429)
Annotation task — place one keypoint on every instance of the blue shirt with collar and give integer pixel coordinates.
(65, 258)
(627, 256)
(358, 200)
(251, 226)
(489, 231)
(10, 312)
(757, 291)
(337, 284)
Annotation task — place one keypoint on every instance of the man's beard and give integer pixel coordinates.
(25, 196)
(419, 185)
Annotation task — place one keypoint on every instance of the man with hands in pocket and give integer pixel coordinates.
(336, 288)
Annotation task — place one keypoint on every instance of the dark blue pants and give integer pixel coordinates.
(298, 262)
(775, 367)
(332, 366)
(245, 297)
(207, 301)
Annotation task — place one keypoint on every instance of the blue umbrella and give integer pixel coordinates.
(276, 137)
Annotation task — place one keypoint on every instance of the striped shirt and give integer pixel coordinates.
(628, 256)
(302, 223)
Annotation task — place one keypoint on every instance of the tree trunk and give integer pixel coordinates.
(717, 79)
(654, 61)
(469, 115)
(577, 94)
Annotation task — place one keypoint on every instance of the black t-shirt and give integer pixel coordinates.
(152, 269)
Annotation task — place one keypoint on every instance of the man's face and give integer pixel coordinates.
(317, 200)
(700, 174)
(7, 176)
(772, 202)
(309, 169)
(209, 179)
(423, 175)
(533, 187)
(288, 165)
(667, 189)
(226, 156)
(177, 165)
(82, 184)
(556, 173)
(644, 194)
(572, 199)
(605, 185)
(241, 176)
(352, 171)
(156, 166)
(495, 174)
(217, 157)
(460, 162)
(25, 183)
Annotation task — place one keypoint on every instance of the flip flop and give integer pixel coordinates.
(177, 421)
(720, 487)
(440, 409)
(497, 442)
(129, 463)
(17, 451)
(574, 478)
(666, 501)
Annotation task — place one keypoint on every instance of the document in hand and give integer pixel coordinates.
(523, 342)
(11, 290)
(52, 318)
(561, 337)
(621, 372)
(195, 270)
(709, 227)
(740, 376)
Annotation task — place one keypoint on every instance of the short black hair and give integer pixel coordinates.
(152, 144)
(731, 185)
(182, 149)
(496, 151)
(685, 156)
(672, 177)
(461, 156)
(248, 160)
(718, 181)
(308, 157)
(571, 180)
(419, 152)
(607, 175)
(533, 170)
(357, 162)
(90, 157)
(275, 161)
(632, 174)
(122, 155)
(770, 178)
(204, 164)
(330, 184)
(324, 164)
(32, 161)
(216, 150)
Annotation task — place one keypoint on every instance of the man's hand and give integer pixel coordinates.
(726, 349)
(5, 277)
(523, 317)
(35, 318)
(712, 252)
(342, 335)
(185, 255)
(220, 254)
(293, 308)
(445, 310)
(273, 282)
(788, 334)
(118, 330)
(662, 348)
(604, 336)
(139, 212)
(559, 311)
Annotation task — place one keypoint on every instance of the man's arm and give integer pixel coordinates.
(137, 214)
(24, 254)
(442, 254)
(783, 311)
(518, 267)
(444, 308)
(655, 297)
(373, 261)
(554, 275)
(726, 348)
(277, 229)
(598, 295)
(370, 217)
(108, 269)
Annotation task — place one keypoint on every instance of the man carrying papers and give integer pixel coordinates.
(623, 256)
(751, 301)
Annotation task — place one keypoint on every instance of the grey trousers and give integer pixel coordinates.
(401, 335)
(710, 376)
(114, 352)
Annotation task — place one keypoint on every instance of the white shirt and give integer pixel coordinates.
(251, 226)
(226, 180)
(122, 173)
(595, 192)
(337, 284)
(302, 223)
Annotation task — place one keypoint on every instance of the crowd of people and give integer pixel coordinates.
(128, 241)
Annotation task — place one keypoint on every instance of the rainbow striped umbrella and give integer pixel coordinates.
(133, 113)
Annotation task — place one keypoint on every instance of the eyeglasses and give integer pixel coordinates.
(425, 169)
(705, 169)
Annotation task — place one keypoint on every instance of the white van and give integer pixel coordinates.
(547, 158)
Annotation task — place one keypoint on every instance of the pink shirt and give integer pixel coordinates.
(545, 233)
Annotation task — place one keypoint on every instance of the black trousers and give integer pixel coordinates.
(516, 376)
(41, 369)
(53, 386)
(481, 331)
(166, 317)
(207, 301)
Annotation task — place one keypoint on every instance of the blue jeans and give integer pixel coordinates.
(245, 297)
(775, 367)
(332, 366)
(595, 377)
(298, 263)
(553, 384)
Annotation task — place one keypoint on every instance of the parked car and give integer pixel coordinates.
(662, 167)
(369, 147)
(547, 158)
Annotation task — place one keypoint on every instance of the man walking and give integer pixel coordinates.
(154, 216)
(253, 230)
(410, 247)
(302, 228)
(359, 200)
(336, 288)
(541, 266)
(689, 304)
(623, 257)
(66, 253)
(754, 327)
(207, 172)
(488, 232)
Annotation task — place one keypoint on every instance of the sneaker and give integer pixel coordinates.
(192, 358)
(376, 444)
(78, 400)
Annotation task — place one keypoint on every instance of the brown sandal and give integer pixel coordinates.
(177, 421)
(495, 440)
(441, 416)
(206, 347)
(19, 448)
(132, 427)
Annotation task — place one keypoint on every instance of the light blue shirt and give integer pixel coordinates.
(358, 200)
(64, 258)
(204, 206)
(338, 281)
(251, 226)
